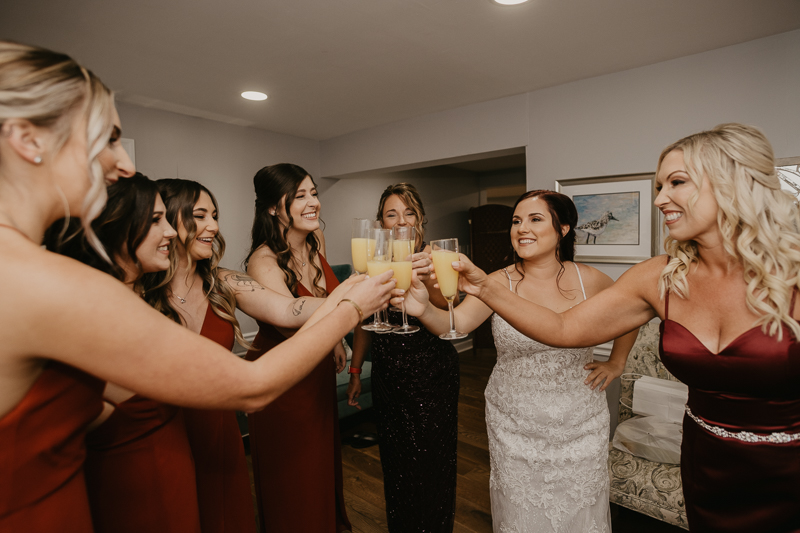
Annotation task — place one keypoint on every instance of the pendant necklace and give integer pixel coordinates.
(183, 300)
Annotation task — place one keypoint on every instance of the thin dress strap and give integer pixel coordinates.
(509, 279)
(794, 299)
(581, 280)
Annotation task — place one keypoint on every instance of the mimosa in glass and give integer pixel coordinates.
(404, 240)
(379, 260)
(359, 244)
(444, 252)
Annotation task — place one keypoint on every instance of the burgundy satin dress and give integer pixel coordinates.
(42, 487)
(223, 482)
(753, 384)
(140, 472)
(295, 446)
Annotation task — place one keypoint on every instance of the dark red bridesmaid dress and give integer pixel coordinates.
(223, 482)
(140, 472)
(42, 450)
(752, 385)
(295, 446)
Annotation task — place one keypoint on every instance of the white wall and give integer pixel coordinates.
(601, 126)
(446, 195)
(222, 157)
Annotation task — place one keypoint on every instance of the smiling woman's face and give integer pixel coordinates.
(205, 219)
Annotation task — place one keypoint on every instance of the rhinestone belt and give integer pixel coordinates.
(744, 436)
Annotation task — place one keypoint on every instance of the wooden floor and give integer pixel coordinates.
(363, 479)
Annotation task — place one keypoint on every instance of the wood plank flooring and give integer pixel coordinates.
(363, 478)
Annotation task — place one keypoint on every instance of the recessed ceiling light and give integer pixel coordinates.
(509, 2)
(254, 95)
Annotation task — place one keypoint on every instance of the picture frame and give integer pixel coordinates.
(630, 236)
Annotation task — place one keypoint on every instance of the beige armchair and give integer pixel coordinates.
(650, 488)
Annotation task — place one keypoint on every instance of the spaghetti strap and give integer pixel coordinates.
(794, 299)
(666, 305)
(509, 279)
(581, 281)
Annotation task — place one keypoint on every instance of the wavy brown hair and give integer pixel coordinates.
(274, 184)
(180, 196)
(121, 226)
(409, 195)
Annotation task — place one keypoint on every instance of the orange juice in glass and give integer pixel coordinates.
(444, 252)
(379, 260)
(360, 245)
(403, 249)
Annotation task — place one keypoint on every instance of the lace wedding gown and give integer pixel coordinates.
(548, 438)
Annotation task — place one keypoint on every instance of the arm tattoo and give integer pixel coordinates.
(242, 282)
(297, 306)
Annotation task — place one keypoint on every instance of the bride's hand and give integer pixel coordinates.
(471, 279)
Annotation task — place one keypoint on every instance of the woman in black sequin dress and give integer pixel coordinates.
(415, 381)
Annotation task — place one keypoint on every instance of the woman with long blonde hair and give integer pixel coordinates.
(65, 323)
(726, 293)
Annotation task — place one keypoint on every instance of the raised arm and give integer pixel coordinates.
(631, 301)
(266, 305)
(96, 324)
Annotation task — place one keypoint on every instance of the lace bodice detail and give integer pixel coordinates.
(548, 435)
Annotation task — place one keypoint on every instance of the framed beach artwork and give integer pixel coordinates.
(617, 222)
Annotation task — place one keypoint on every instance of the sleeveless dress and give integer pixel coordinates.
(295, 446)
(140, 471)
(548, 438)
(42, 450)
(752, 385)
(223, 481)
(415, 385)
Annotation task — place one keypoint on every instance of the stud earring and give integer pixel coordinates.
(37, 159)
(272, 212)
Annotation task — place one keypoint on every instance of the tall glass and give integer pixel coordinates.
(404, 239)
(444, 252)
(358, 244)
(379, 260)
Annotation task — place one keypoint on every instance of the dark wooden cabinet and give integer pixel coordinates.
(490, 244)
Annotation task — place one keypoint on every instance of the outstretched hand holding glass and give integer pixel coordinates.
(444, 252)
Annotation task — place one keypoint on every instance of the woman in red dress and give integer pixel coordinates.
(200, 294)
(295, 443)
(727, 295)
(59, 147)
(138, 455)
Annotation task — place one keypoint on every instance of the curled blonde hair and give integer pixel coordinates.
(758, 221)
(51, 91)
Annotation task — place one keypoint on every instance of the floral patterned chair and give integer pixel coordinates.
(650, 488)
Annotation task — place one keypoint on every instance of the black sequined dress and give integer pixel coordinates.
(415, 381)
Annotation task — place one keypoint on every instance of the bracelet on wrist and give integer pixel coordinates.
(351, 370)
(355, 305)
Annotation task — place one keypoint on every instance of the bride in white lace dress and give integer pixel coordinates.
(546, 411)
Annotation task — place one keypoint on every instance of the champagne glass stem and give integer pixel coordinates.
(405, 320)
(452, 315)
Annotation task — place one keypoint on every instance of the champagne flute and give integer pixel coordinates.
(444, 252)
(379, 254)
(403, 248)
(358, 244)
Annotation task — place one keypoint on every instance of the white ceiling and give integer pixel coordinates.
(331, 67)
